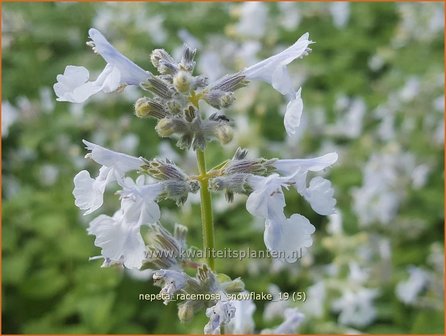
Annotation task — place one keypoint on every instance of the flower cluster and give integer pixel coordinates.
(175, 95)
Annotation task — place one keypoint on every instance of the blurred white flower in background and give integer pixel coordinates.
(407, 291)
(356, 307)
(253, 17)
(290, 15)
(9, 116)
(340, 13)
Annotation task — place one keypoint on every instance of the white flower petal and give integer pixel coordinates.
(289, 237)
(122, 163)
(281, 80)
(130, 73)
(320, 196)
(219, 315)
(267, 199)
(172, 281)
(293, 113)
(109, 80)
(73, 85)
(134, 249)
(243, 322)
(265, 69)
(293, 318)
(118, 241)
(290, 166)
(138, 202)
(89, 192)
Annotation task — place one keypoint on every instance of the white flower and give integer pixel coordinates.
(314, 306)
(320, 196)
(118, 239)
(293, 318)
(289, 237)
(9, 117)
(219, 315)
(243, 322)
(89, 192)
(407, 291)
(267, 199)
(319, 193)
(73, 86)
(173, 282)
(285, 236)
(356, 307)
(273, 70)
(120, 162)
(276, 307)
(138, 201)
(252, 19)
(293, 113)
(291, 166)
(340, 12)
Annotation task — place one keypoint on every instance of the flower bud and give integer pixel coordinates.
(219, 99)
(168, 126)
(186, 311)
(182, 81)
(158, 87)
(187, 60)
(163, 170)
(176, 190)
(236, 183)
(163, 61)
(230, 83)
(234, 286)
(224, 133)
(145, 107)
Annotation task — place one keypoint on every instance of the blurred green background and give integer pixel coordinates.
(387, 56)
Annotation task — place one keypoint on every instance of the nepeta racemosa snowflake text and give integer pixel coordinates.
(174, 96)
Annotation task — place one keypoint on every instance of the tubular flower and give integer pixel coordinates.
(74, 85)
(273, 70)
(89, 192)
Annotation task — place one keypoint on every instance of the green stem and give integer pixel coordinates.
(206, 210)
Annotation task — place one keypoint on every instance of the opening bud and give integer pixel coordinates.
(162, 60)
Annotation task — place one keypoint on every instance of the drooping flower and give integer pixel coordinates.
(319, 193)
(172, 281)
(89, 192)
(286, 236)
(273, 70)
(74, 85)
(293, 113)
(219, 315)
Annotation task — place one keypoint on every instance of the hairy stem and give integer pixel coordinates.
(206, 210)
